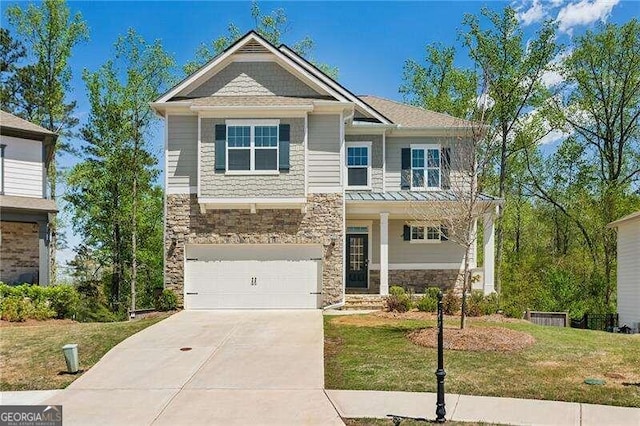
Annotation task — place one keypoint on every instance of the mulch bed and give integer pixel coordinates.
(474, 339)
(418, 315)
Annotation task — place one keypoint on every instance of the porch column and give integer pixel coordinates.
(489, 254)
(384, 254)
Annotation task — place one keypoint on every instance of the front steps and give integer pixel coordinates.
(363, 302)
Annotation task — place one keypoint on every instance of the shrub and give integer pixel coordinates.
(64, 300)
(429, 302)
(16, 309)
(398, 300)
(91, 311)
(491, 304)
(450, 303)
(33, 301)
(167, 301)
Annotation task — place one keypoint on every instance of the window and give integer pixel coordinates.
(425, 167)
(252, 146)
(427, 234)
(359, 164)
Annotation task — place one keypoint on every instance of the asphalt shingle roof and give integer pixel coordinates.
(412, 116)
(11, 121)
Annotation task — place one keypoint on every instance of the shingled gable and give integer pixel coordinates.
(252, 43)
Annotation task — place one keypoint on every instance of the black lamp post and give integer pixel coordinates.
(440, 373)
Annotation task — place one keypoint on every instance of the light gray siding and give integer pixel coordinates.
(324, 151)
(459, 155)
(376, 158)
(23, 167)
(182, 146)
(401, 251)
(253, 79)
(629, 273)
(284, 185)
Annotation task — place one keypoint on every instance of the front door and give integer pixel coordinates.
(357, 260)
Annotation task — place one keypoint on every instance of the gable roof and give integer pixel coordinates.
(10, 121)
(412, 116)
(632, 216)
(306, 71)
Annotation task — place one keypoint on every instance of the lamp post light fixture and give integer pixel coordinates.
(440, 373)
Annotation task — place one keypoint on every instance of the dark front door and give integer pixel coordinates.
(357, 262)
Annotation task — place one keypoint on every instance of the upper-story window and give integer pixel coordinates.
(358, 165)
(252, 146)
(425, 167)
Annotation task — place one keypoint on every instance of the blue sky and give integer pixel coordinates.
(368, 41)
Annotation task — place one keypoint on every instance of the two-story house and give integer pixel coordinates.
(286, 190)
(25, 206)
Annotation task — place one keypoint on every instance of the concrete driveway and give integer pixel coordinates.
(243, 367)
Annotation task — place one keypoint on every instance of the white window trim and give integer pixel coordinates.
(356, 144)
(252, 148)
(426, 147)
(425, 241)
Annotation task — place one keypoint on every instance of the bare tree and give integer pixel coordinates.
(466, 153)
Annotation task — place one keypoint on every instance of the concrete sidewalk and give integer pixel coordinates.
(27, 397)
(507, 411)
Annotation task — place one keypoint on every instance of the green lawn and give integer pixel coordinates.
(375, 354)
(31, 356)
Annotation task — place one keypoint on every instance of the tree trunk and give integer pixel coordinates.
(501, 194)
(134, 261)
(53, 224)
(465, 285)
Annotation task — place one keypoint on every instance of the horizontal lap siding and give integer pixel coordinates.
(401, 251)
(182, 145)
(629, 273)
(23, 167)
(394, 147)
(324, 151)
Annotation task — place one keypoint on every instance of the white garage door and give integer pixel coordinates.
(243, 276)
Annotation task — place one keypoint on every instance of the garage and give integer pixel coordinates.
(245, 276)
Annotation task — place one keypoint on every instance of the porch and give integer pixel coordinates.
(385, 246)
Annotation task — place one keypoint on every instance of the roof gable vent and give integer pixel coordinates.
(252, 46)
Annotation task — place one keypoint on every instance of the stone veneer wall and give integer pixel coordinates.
(321, 224)
(19, 250)
(417, 280)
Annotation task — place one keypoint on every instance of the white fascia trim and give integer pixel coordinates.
(253, 57)
(418, 266)
(252, 200)
(252, 122)
(302, 108)
(182, 190)
(280, 57)
(359, 102)
(204, 70)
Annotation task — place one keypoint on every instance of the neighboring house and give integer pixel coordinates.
(285, 190)
(25, 207)
(628, 270)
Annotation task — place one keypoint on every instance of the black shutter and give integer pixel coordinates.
(445, 169)
(444, 233)
(284, 142)
(406, 233)
(221, 142)
(405, 174)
